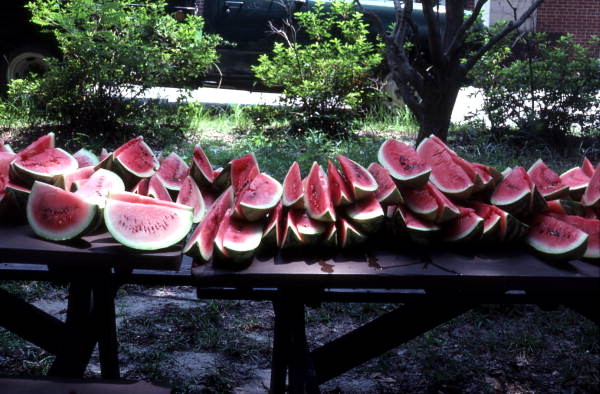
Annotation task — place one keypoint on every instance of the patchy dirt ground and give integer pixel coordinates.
(197, 346)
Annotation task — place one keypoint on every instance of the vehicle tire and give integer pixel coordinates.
(22, 61)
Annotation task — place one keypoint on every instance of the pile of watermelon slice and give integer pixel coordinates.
(422, 196)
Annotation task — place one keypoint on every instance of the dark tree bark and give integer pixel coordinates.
(429, 80)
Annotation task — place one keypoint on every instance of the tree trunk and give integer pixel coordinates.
(437, 111)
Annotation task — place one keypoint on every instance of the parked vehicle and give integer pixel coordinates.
(244, 23)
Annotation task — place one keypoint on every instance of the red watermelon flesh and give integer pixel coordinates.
(202, 170)
(387, 192)
(450, 178)
(485, 174)
(190, 195)
(591, 227)
(243, 171)
(447, 210)
(104, 154)
(5, 159)
(58, 215)
(127, 145)
(259, 198)
(85, 158)
(141, 187)
(173, 172)
(422, 202)
(340, 193)
(293, 192)
(201, 243)
(99, 185)
(317, 198)
(219, 249)
(141, 199)
(360, 181)
(555, 239)
(291, 236)
(591, 196)
(565, 207)
(577, 180)
(587, 167)
(547, 181)
(241, 239)
(513, 194)
(367, 214)
(468, 226)
(157, 189)
(38, 146)
(493, 226)
(404, 163)
(419, 230)
(273, 231)
(44, 166)
(310, 230)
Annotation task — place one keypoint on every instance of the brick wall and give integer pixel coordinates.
(579, 17)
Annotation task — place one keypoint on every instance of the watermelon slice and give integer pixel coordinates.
(577, 178)
(201, 170)
(330, 238)
(241, 239)
(360, 181)
(133, 161)
(44, 166)
(157, 189)
(273, 231)
(190, 195)
(492, 222)
(243, 171)
(366, 214)
(587, 167)
(514, 193)
(38, 146)
(311, 231)
(259, 197)
(591, 227)
(547, 182)
(317, 198)
(565, 207)
(145, 223)
(591, 196)
(449, 177)
(422, 202)
(99, 185)
(200, 245)
(293, 192)
(85, 158)
(74, 180)
(58, 215)
(348, 235)
(404, 164)
(468, 226)
(554, 239)
(419, 231)
(387, 192)
(291, 236)
(340, 193)
(172, 173)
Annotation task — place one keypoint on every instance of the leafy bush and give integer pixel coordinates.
(327, 79)
(545, 92)
(112, 53)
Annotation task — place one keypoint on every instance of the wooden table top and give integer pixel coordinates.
(379, 267)
(19, 244)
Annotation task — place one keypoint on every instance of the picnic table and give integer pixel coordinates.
(432, 285)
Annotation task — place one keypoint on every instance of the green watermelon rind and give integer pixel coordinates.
(591, 196)
(291, 236)
(88, 221)
(366, 221)
(185, 220)
(576, 250)
(413, 181)
(359, 190)
(349, 235)
(27, 177)
(89, 155)
(254, 212)
(474, 231)
(243, 251)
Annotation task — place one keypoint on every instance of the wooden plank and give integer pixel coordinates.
(380, 335)
(435, 270)
(18, 244)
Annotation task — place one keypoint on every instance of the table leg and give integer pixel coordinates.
(104, 315)
(79, 337)
(382, 334)
(279, 359)
(30, 323)
(302, 376)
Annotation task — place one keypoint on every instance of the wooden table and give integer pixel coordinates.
(433, 286)
(93, 268)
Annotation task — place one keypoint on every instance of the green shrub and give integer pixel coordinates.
(111, 54)
(327, 80)
(545, 92)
